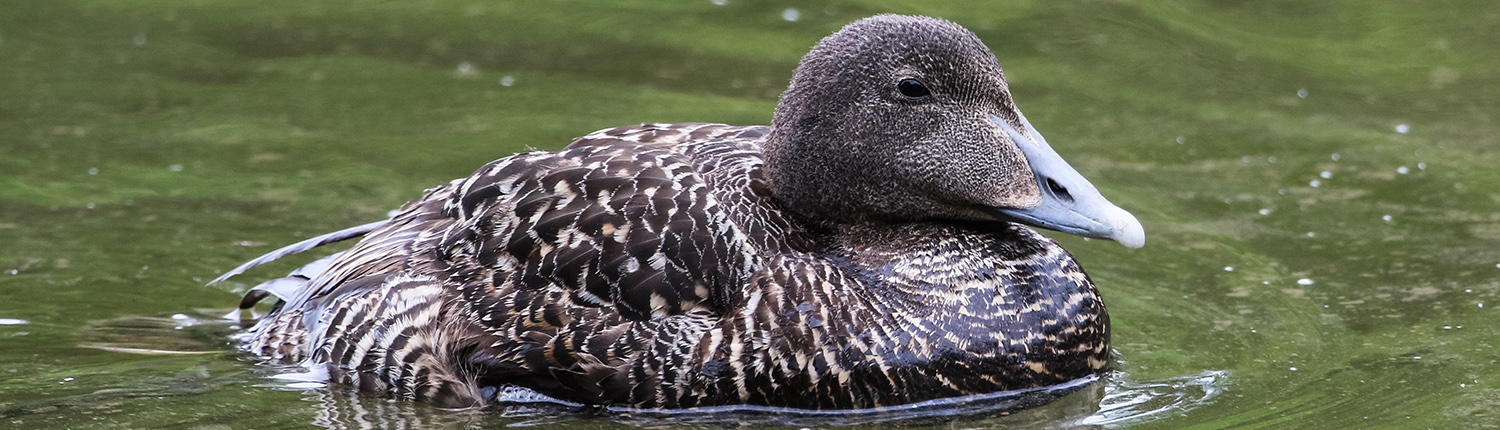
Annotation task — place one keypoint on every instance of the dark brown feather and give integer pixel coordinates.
(660, 265)
(554, 297)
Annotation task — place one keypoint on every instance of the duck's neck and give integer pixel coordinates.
(811, 183)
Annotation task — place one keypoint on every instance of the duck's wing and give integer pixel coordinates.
(622, 218)
(564, 267)
(631, 224)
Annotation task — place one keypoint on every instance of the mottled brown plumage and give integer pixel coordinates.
(860, 253)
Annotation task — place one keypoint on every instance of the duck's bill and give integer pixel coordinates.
(1070, 204)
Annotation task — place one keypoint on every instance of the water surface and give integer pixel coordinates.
(1316, 180)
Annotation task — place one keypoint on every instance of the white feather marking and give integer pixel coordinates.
(622, 232)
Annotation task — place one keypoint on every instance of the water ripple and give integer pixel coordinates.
(1109, 401)
(1127, 401)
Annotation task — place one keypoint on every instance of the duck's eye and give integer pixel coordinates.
(912, 88)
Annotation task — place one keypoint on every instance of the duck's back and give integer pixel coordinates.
(554, 270)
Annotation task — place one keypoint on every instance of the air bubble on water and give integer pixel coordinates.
(1228, 268)
(1265, 211)
(90, 205)
(180, 317)
(174, 168)
(719, 2)
(1403, 170)
(1302, 93)
(1387, 218)
(1304, 281)
(1281, 191)
(1227, 200)
(1403, 128)
(1294, 369)
(1422, 166)
(93, 170)
(1335, 156)
(507, 81)
(1326, 174)
(1311, 234)
(1245, 159)
(1315, 183)
(1271, 159)
(1447, 327)
(1181, 140)
(465, 69)
(791, 15)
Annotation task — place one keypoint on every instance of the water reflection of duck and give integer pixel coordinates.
(864, 250)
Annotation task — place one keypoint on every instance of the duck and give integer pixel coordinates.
(874, 246)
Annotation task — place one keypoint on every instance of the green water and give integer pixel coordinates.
(1338, 156)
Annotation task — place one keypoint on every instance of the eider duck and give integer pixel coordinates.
(869, 248)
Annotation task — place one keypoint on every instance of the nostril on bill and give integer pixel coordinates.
(1059, 191)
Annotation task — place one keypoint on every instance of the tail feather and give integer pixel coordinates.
(337, 236)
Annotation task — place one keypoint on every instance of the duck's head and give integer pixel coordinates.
(900, 118)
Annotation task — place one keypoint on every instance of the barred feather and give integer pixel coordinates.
(657, 266)
(638, 267)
